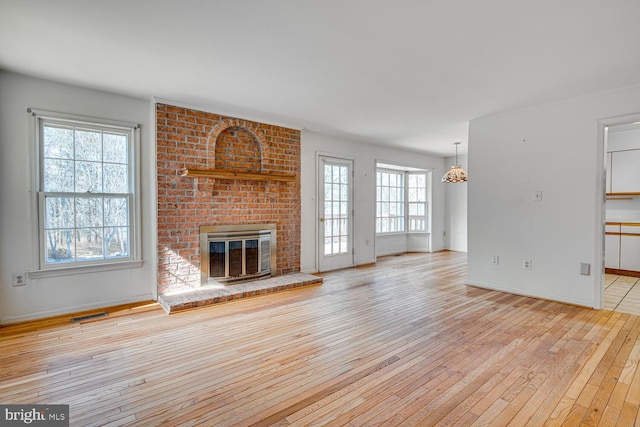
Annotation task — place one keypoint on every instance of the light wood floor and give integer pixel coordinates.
(401, 343)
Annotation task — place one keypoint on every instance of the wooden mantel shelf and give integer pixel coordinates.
(249, 176)
(623, 194)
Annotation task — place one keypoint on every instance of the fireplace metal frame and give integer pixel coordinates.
(227, 233)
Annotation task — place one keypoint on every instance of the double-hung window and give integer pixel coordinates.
(401, 200)
(389, 201)
(86, 191)
(417, 201)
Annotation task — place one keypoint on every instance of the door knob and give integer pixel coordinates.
(322, 219)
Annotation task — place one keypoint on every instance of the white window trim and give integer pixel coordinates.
(39, 269)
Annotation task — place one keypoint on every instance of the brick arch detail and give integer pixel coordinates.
(253, 129)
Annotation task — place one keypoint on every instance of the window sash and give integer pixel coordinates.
(106, 228)
(390, 201)
(417, 198)
(418, 222)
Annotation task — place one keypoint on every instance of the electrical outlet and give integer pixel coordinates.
(19, 279)
(526, 264)
(495, 260)
(585, 269)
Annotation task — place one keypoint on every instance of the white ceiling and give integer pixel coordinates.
(399, 72)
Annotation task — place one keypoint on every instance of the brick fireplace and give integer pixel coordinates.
(199, 141)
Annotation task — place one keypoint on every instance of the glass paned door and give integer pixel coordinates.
(335, 213)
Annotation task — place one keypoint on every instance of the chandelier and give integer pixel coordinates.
(456, 173)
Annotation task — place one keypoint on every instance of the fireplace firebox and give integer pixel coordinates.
(235, 253)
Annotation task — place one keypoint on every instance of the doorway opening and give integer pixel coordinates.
(621, 274)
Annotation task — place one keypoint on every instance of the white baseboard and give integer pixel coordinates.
(540, 295)
(6, 320)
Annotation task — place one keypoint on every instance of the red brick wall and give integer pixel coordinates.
(194, 139)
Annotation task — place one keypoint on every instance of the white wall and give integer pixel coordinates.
(557, 149)
(365, 157)
(456, 209)
(64, 294)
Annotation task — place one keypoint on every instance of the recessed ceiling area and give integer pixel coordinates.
(410, 74)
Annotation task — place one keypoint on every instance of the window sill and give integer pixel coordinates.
(401, 233)
(83, 269)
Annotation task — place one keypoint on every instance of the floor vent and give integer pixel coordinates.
(88, 316)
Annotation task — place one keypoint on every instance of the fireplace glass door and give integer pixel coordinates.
(237, 255)
(235, 258)
(251, 256)
(217, 259)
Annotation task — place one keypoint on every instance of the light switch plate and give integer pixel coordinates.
(585, 269)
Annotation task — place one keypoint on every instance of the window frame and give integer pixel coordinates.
(39, 118)
(405, 173)
(424, 203)
(402, 203)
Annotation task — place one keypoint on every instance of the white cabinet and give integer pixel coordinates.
(625, 173)
(612, 247)
(630, 247)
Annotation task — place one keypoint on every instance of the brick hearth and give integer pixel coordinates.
(214, 295)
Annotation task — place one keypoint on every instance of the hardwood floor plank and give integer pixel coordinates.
(487, 417)
(572, 350)
(613, 327)
(633, 396)
(404, 342)
(609, 417)
(561, 412)
(628, 415)
(599, 404)
(631, 364)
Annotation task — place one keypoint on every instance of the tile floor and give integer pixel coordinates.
(622, 293)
